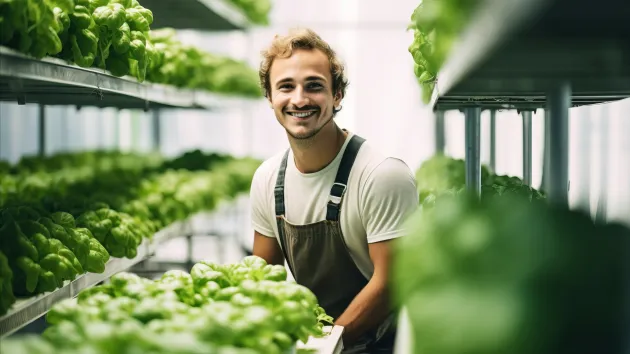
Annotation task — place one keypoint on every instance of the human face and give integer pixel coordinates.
(301, 92)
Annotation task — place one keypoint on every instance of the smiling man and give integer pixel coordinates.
(331, 204)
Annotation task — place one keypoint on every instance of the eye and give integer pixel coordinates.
(285, 87)
(314, 86)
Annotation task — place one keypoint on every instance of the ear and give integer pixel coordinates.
(337, 98)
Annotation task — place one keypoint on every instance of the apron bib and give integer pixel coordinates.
(319, 259)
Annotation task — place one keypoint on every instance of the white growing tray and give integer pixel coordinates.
(330, 343)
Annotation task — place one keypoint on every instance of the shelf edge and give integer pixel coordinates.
(29, 311)
(492, 23)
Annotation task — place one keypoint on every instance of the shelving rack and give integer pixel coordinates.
(54, 82)
(205, 15)
(25, 311)
(533, 54)
(527, 55)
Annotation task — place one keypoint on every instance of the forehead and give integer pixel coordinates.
(303, 63)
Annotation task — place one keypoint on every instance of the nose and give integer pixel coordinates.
(299, 98)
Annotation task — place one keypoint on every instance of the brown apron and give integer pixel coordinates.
(319, 259)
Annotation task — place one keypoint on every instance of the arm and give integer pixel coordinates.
(268, 249)
(389, 196)
(266, 245)
(371, 306)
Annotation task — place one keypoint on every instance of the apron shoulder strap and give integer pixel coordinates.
(279, 189)
(341, 180)
(280, 208)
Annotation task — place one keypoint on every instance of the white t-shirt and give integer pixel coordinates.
(381, 193)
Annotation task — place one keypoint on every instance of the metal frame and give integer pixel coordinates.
(556, 165)
(527, 147)
(205, 15)
(512, 63)
(557, 143)
(41, 133)
(440, 132)
(26, 311)
(473, 149)
(52, 81)
(541, 54)
(528, 61)
(493, 140)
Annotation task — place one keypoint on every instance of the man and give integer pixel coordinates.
(331, 204)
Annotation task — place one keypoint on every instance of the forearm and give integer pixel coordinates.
(268, 249)
(366, 312)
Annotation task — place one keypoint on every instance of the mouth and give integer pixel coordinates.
(302, 115)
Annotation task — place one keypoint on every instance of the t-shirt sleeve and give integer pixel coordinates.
(388, 198)
(259, 201)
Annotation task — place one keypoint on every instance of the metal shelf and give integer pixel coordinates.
(513, 52)
(25, 311)
(207, 15)
(52, 81)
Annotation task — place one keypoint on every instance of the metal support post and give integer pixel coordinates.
(493, 140)
(545, 166)
(557, 144)
(473, 149)
(440, 132)
(41, 148)
(527, 147)
(155, 116)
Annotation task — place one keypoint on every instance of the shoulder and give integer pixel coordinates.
(375, 166)
(387, 195)
(389, 179)
(391, 171)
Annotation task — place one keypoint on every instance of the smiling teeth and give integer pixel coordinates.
(301, 115)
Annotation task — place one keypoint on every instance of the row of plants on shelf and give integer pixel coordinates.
(59, 220)
(243, 307)
(442, 174)
(436, 24)
(508, 272)
(116, 35)
(187, 66)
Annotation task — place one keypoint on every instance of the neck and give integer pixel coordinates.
(316, 153)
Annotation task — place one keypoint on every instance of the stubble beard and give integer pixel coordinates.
(307, 140)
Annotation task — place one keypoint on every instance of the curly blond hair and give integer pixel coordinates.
(301, 38)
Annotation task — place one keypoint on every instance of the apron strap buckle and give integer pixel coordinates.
(334, 201)
(336, 193)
